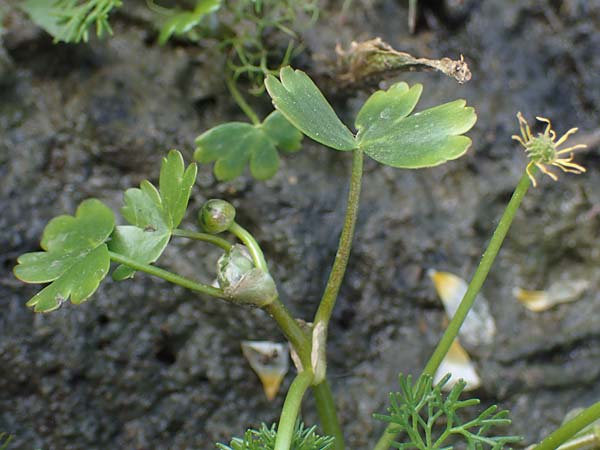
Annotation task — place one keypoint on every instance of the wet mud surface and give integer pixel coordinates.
(144, 365)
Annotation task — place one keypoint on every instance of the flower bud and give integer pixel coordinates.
(216, 216)
(233, 265)
(241, 281)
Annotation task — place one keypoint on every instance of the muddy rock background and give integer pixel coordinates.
(145, 365)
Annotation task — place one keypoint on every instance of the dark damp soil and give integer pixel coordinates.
(144, 365)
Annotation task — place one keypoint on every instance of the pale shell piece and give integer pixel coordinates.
(457, 363)
(558, 292)
(270, 361)
(479, 327)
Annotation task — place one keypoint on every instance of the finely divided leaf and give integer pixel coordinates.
(44, 13)
(424, 139)
(75, 259)
(303, 104)
(235, 144)
(153, 214)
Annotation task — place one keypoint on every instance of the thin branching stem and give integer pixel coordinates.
(241, 101)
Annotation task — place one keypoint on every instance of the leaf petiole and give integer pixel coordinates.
(205, 237)
(241, 101)
(168, 276)
(248, 240)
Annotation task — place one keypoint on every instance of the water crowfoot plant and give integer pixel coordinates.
(78, 251)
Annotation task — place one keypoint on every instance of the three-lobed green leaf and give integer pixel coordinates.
(303, 104)
(153, 214)
(75, 259)
(389, 135)
(387, 131)
(235, 144)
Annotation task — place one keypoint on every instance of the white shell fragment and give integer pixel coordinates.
(459, 365)
(558, 292)
(479, 327)
(270, 361)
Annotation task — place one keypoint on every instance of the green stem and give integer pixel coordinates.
(328, 415)
(291, 408)
(322, 391)
(239, 99)
(341, 258)
(253, 247)
(479, 277)
(166, 275)
(587, 441)
(292, 331)
(569, 429)
(389, 435)
(210, 238)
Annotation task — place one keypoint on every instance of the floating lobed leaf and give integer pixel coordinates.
(303, 104)
(387, 131)
(424, 139)
(392, 105)
(75, 259)
(153, 214)
(235, 144)
(182, 22)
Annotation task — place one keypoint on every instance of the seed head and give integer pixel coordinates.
(543, 150)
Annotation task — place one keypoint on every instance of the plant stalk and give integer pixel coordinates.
(327, 414)
(569, 429)
(248, 240)
(298, 338)
(477, 281)
(322, 390)
(487, 260)
(345, 244)
(291, 408)
(210, 238)
(241, 102)
(168, 276)
(290, 328)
